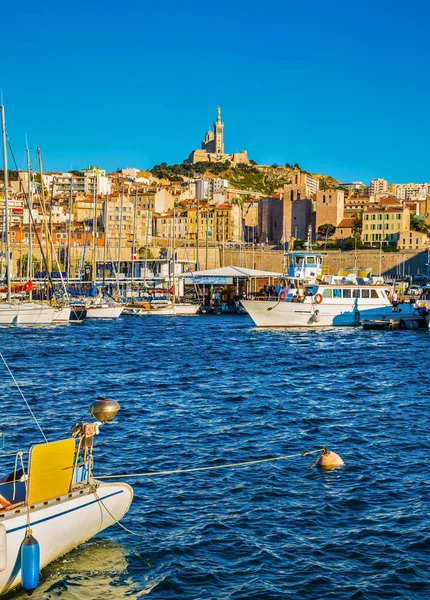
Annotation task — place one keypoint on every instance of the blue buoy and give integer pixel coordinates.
(30, 564)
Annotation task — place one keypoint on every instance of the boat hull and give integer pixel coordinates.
(186, 309)
(26, 314)
(78, 314)
(60, 525)
(62, 315)
(104, 312)
(326, 314)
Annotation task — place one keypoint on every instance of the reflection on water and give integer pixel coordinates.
(96, 570)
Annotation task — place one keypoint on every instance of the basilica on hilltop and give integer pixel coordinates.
(212, 149)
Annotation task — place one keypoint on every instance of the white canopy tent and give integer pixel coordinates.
(230, 275)
(219, 275)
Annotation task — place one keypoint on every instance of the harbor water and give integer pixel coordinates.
(204, 391)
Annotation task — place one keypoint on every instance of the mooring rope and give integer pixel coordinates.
(23, 397)
(116, 520)
(228, 466)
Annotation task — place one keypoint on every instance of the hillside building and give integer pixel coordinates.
(329, 207)
(212, 148)
(378, 186)
(382, 223)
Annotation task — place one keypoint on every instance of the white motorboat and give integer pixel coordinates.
(186, 309)
(54, 504)
(324, 305)
(104, 310)
(26, 313)
(161, 308)
(154, 307)
(62, 314)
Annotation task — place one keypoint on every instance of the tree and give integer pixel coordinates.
(351, 243)
(145, 253)
(238, 201)
(326, 230)
(12, 175)
(419, 224)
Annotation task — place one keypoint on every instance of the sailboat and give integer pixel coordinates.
(51, 503)
(17, 313)
(162, 305)
(99, 307)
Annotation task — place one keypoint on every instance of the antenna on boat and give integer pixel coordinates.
(309, 240)
(23, 397)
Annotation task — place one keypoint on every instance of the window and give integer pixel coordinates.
(337, 293)
(374, 294)
(346, 293)
(327, 293)
(356, 293)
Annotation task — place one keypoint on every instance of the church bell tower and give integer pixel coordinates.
(219, 134)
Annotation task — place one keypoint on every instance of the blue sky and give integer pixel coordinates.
(340, 87)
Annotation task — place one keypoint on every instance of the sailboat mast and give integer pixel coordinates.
(30, 210)
(94, 232)
(119, 240)
(105, 211)
(207, 233)
(174, 254)
(6, 203)
(148, 222)
(45, 221)
(133, 250)
(69, 228)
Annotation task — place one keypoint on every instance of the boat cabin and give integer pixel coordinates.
(304, 265)
(348, 292)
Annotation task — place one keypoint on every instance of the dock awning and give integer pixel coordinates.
(226, 275)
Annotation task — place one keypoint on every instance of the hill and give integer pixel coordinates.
(255, 178)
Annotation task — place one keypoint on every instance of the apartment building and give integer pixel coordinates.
(382, 222)
(378, 186)
(83, 182)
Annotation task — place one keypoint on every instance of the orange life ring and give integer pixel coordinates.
(283, 295)
(318, 298)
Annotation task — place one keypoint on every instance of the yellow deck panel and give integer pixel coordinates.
(50, 470)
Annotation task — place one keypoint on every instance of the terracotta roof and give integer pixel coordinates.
(347, 222)
(386, 201)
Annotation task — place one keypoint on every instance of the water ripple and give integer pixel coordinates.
(206, 391)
